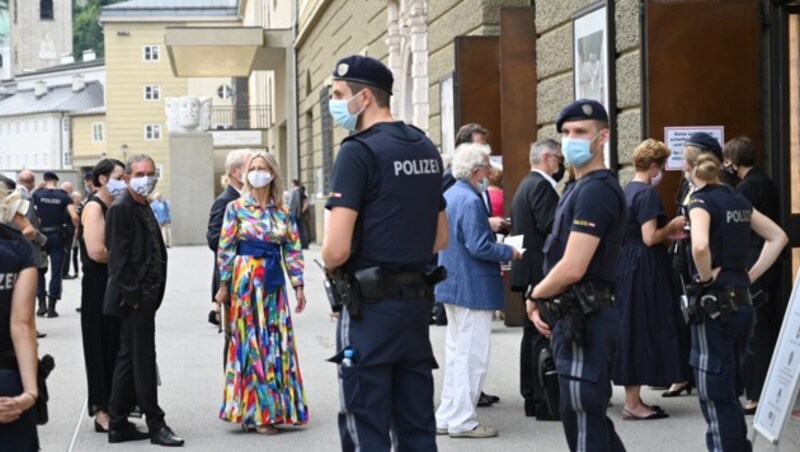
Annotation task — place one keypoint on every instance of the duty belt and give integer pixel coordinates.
(405, 285)
(575, 299)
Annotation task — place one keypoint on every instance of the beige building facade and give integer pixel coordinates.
(139, 80)
(41, 32)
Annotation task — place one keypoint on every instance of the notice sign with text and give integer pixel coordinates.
(783, 378)
(674, 137)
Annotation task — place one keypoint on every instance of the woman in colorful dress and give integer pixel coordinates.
(263, 385)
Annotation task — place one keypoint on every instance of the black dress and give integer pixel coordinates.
(647, 299)
(100, 332)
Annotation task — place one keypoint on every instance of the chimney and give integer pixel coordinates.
(40, 88)
(78, 83)
(89, 55)
(67, 58)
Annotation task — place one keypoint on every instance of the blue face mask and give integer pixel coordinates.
(577, 152)
(341, 114)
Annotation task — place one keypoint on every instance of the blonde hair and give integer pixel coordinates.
(648, 152)
(276, 186)
(705, 165)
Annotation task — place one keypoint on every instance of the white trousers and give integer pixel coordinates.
(467, 351)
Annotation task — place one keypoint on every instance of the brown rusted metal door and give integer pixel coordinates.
(477, 85)
(495, 85)
(702, 68)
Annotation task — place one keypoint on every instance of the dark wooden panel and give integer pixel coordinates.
(518, 113)
(702, 67)
(477, 85)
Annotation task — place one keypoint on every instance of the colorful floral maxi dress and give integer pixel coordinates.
(263, 384)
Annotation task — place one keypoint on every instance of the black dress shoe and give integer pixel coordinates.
(485, 400)
(492, 398)
(166, 437)
(99, 428)
(127, 433)
(40, 335)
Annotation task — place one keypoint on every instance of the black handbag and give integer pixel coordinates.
(46, 365)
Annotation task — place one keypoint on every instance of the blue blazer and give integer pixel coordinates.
(472, 255)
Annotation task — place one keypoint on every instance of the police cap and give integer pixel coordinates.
(363, 69)
(580, 110)
(49, 175)
(87, 175)
(705, 142)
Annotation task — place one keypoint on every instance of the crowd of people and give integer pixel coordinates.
(601, 271)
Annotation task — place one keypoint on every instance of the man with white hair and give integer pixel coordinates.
(471, 294)
(235, 163)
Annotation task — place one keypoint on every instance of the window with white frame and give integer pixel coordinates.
(152, 92)
(152, 53)
(152, 132)
(97, 132)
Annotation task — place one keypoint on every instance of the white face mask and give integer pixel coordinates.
(144, 185)
(657, 180)
(115, 187)
(259, 179)
(482, 185)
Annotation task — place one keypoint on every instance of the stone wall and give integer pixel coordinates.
(342, 28)
(446, 20)
(555, 79)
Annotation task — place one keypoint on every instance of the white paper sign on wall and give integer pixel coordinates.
(674, 137)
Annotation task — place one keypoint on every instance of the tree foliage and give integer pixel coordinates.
(86, 31)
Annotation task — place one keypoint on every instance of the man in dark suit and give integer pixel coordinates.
(532, 212)
(235, 163)
(137, 276)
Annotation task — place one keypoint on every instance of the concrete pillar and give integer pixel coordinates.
(418, 17)
(191, 185)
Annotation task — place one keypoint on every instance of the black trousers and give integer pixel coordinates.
(135, 375)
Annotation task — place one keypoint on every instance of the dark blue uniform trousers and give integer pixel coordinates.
(717, 350)
(55, 249)
(585, 383)
(386, 396)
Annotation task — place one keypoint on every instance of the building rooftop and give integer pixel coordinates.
(172, 8)
(59, 98)
(64, 67)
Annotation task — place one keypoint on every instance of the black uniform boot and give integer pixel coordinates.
(42, 306)
(51, 308)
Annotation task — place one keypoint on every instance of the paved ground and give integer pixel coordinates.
(190, 354)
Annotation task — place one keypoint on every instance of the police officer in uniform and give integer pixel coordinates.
(387, 218)
(53, 206)
(573, 303)
(719, 305)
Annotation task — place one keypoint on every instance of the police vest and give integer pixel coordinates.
(399, 216)
(603, 266)
(729, 232)
(51, 206)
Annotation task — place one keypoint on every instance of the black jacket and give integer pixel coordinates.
(215, 218)
(532, 213)
(130, 248)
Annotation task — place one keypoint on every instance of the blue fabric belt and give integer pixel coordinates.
(271, 253)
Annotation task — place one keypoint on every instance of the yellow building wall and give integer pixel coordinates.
(86, 151)
(127, 73)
